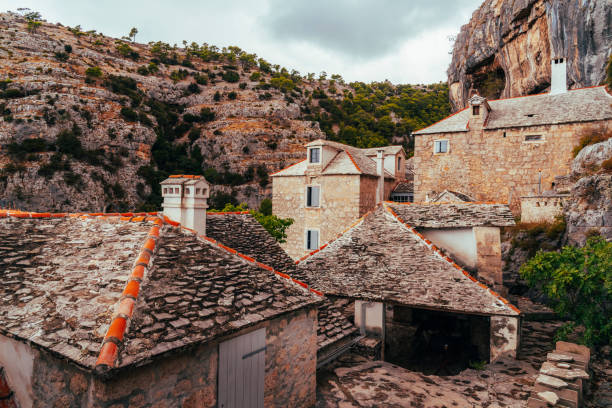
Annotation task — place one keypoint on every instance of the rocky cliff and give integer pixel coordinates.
(506, 48)
(91, 123)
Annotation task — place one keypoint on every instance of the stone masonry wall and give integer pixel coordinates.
(186, 380)
(542, 208)
(291, 361)
(339, 207)
(497, 165)
(488, 255)
(367, 187)
(505, 337)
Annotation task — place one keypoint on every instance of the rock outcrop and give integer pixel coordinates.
(589, 209)
(506, 48)
(54, 78)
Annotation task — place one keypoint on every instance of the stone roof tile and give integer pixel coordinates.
(454, 215)
(383, 259)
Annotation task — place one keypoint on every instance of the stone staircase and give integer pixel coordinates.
(563, 377)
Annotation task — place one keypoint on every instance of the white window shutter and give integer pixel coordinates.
(315, 196)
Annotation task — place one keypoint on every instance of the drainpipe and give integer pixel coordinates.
(380, 170)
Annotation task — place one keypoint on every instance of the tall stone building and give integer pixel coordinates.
(504, 149)
(330, 189)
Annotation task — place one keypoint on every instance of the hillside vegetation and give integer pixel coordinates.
(89, 122)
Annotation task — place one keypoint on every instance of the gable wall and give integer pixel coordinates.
(340, 207)
(490, 167)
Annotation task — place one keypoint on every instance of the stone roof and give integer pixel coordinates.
(577, 105)
(454, 215)
(242, 232)
(451, 196)
(404, 187)
(104, 292)
(372, 151)
(184, 179)
(348, 160)
(381, 258)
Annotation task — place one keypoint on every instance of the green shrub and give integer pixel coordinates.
(232, 95)
(93, 72)
(217, 96)
(194, 134)
(68, 141)
(578, 282)
(275, 226)
(143, 70)
(61, 56)
(127, 51)
(68, 48)
(201, 79)
(129, 114)
(255, 76)
(242, 85)
(12, 93)
(589, 138)
(193, 88)
(231, 76)
(207, 115)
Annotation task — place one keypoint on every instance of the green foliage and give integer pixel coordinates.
(255, 76)
(591, 137)
(93, 72)
(478, 365)
(129, 114)
(179, 75)
(68, 141)
(531, 237)
(193, 88)
(68, 48)
(125, 50)
(33, 20)
(265, 207)
(217, 96)
(232, 95)
(578, 282)
(143, 70)
(274, 225)
(231, 76)
(61, 56)
(132, 34)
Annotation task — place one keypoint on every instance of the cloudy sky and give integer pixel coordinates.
(404, 41)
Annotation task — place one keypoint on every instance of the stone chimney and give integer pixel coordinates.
(558, 76)
(186, 201)
(380, 170)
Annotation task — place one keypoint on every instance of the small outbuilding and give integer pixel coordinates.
(425, 309)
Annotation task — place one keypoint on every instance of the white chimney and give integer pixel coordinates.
(380, 170)
(558, 76)
(186, 201)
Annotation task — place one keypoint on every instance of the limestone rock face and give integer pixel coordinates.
(506, 48)
(254, 126)
(590, 204)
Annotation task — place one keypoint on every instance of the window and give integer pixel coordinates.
(315, 155)
(176, 191)
(312, 196)
(187, 191)
(440, 146)
(165, 190)
(402, 198)
(399, 163)
(476, 110)
(312, 239)
(198, 191)
(533, 138)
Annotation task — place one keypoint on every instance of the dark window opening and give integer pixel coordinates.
(315, 155)
(312, 196)
(399, 163)
(475, 110)
(435, 343)
(533, 138)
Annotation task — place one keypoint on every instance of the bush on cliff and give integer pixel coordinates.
(578, 282)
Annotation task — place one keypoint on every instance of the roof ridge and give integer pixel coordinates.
(353, 225)
(446, 258)
(227, 212)
(109, 352)
(446, 203)
(32, 214)
(451, 115)
(283, 169)
(353, 160)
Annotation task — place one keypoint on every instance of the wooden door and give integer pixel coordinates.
(242, 362)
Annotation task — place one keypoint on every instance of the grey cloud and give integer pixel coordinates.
(358, 28)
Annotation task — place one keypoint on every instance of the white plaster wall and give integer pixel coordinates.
(373, 313)
(460, 243)
(18, 362)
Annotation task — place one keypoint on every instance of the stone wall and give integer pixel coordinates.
(542, 208)
(367, 189)
(488, 255)
(497, 165)
(505, 337)
(339, 207)
(187, 379)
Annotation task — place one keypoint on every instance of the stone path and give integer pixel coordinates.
(352, 381)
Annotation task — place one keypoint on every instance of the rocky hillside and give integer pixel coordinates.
(92, 123)
(506, 48)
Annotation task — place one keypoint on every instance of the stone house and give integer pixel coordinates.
(467, 232)
(132, 309)
(424, 308)
(504, 149)
(335, 185)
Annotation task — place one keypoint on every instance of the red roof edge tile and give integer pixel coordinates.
(353, 160)
(447, 259)
(109, 351)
